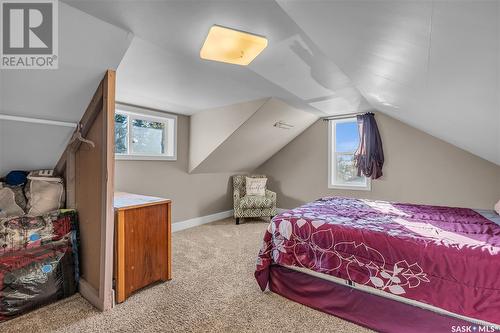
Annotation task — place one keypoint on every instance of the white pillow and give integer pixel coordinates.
(497, 207)
(44, 193)
(256, 186)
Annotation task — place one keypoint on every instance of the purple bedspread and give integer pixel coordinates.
(446, 257)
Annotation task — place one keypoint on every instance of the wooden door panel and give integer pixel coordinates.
(145, 255)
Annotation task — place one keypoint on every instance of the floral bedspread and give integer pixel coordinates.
(443, 256)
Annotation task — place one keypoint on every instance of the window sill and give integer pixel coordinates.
(145, 158)
(347, 187)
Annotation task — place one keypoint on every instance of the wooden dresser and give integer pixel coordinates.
(143, 247)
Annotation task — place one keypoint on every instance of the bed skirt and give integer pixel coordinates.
(365, 309)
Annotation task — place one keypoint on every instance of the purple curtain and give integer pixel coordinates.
(369, 158)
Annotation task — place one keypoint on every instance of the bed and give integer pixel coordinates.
(388, 266)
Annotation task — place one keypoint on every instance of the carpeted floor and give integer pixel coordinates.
(212, 290)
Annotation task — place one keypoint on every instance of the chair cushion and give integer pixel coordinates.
(255, 186)
(254, 201)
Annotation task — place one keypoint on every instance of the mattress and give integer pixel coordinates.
(444, 258)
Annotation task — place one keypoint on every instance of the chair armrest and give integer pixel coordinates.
(271, 195)
(236, 197)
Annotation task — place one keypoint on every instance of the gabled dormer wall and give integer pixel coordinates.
(242, 136)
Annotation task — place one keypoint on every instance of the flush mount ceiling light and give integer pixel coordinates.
(232, 46)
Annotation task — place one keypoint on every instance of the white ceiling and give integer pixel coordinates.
(163, 69)
(434, 65)
(87, 47)
(152, 76)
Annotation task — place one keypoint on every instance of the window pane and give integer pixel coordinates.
(346, 137)
(121, 141)
(148, 137)
(346, 173)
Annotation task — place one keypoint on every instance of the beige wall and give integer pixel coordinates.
(418, 168)
(193, 195)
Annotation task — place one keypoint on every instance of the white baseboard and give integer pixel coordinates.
(177, 226)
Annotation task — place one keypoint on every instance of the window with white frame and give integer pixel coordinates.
(343, 140)
(143, 134)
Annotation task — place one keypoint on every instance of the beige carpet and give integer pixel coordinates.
(213, 290)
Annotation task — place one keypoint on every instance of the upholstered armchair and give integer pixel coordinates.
(251, 205)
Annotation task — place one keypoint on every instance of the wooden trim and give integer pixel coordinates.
(89, 293)
(120, 255)
(70, 175)
(100, 112)
(125, 201)
(108, 160)
(95, 106)
(85, 123)
(169, 240)
(153, 203)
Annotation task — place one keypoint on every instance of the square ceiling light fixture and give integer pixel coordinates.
(232, 46)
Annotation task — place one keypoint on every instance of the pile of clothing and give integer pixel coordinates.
(38, 243)
(34, 193)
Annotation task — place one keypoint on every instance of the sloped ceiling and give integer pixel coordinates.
(163, 69)
(155, 77)
(431, 64)
(87, 47)
(434, 65)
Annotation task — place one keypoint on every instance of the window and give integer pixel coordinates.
(343, 141)
(142, 134)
